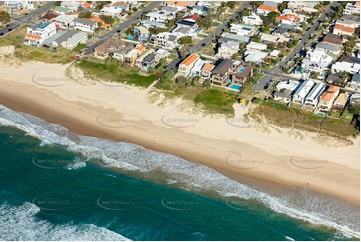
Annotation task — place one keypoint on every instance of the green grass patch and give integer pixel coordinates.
(287, 117)
(111, 72)
(25, 52)
(79, 47)
(217, 101)
(15, 37)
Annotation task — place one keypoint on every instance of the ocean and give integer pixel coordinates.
(57, 185)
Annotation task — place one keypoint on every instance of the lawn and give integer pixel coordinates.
(25, 52)
(283, 116)
(112, 73)
(217, 101)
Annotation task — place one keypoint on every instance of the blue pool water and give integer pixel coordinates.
(240, 70)
(235, 87)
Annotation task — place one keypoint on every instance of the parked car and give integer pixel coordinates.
(269, 83)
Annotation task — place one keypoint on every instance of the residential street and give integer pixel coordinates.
(123, 26)
(18, 21)
(208, 39)
(276, 71)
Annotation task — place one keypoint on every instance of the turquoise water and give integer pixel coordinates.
(235, 87)
(240, 70)
(61, 186)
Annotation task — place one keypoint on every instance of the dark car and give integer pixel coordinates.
(1, 34)
(7, 25)
(269, 83)
(10, 30)
(118, 31)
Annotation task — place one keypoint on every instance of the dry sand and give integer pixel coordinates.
(124, 113)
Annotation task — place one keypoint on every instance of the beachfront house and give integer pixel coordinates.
(39, 32)
(85, 25)
(206, 72)
(140, 59)
(340, 102)
(186, 66)
(312, 98)
(78, 38)
(300, 94)
(121, 53)
(150, 61)
(240, 74)
(220, 74)
(327, 98)
(284, 90)
(132, 55)
(108, 47)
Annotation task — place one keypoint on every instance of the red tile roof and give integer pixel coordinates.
(344, 28)
(32, 36)
(267, 8)
(190, 59)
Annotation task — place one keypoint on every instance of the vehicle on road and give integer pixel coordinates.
(118, 31)
(10, 30)
(269, 83)
(1, 34)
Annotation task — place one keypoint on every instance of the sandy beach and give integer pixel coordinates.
(235, 148)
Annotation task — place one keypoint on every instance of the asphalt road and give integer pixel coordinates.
(275, 71)
(122, 26)
(305, 39)
(18, 21)
(208, 39)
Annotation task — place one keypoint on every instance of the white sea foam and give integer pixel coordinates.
(21, 223)
(314, 209)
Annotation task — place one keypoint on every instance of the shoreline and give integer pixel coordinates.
(131, 118)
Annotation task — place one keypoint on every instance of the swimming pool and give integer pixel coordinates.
(240, 70)
(235, 87)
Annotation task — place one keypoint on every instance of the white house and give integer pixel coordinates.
(243, 30)
(78, 38)
(253, 19)
(72, 5)
(348, 64)
(301, 93)
(227, 49)
(40, 31)
(85, 25)
(199, 10)
(256, 46)
(311, 99)
(167, 40)
(316, 60)
(352, 8)
(64, 21)
(111, 10)
(255, 56)
(186, 66)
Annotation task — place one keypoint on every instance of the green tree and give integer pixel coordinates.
(282, 6)
(84, 14)
(107, 19)
(57, 3)
(129, 31)
(4, 17)
(186, 40)
(101, 4)
(231, 4)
